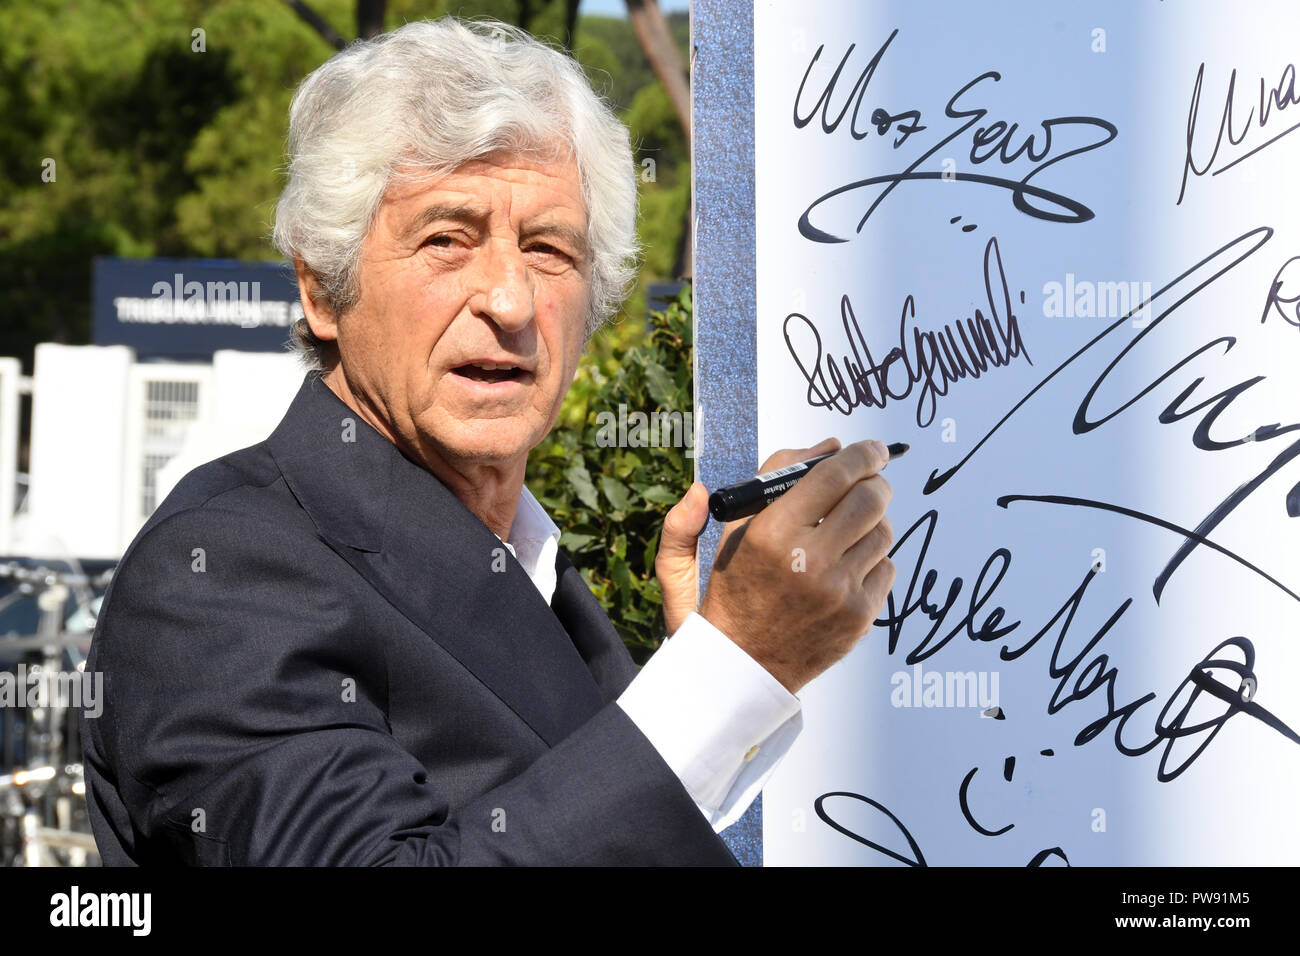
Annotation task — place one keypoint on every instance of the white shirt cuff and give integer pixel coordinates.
(716, 716)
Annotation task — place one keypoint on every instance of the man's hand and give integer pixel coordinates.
(676, 565)
(799, 583)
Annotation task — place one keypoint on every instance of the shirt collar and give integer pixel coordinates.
(534, 541)
(531, 523)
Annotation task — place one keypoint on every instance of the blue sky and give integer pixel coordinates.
(618, 8)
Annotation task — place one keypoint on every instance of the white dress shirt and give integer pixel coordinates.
(716, 716)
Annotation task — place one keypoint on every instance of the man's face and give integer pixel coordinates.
(485, 266)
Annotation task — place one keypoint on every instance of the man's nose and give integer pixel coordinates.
(505, 286)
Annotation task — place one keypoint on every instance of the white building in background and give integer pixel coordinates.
(12, 387)
(111, 436)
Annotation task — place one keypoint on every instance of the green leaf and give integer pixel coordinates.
(580, 479)
(661, 386)
(659, 495)
(575, 542)
(652, 549)
(619, 575)
(616, 492)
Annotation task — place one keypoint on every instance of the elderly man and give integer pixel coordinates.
(358, 642)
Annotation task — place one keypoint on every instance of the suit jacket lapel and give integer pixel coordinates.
(438, 564)
(593, 635)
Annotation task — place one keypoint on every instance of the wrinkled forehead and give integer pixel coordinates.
(554, 158)
(531, 187)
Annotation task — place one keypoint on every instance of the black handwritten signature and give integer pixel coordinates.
(997, 140)
(1078, 677)
(917, 858)
(934, 360)
(1278, 97)
(1287, 306)
(1076, 682)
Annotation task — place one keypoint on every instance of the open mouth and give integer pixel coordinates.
(479, 373)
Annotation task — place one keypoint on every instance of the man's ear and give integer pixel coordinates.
(315, 306)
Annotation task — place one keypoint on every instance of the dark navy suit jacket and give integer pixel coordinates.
(309, 659)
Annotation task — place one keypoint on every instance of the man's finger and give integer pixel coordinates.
(854, 516)
(812, 499)
(791, 456)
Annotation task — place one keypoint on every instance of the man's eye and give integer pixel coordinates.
(548, 250)
(442, 241)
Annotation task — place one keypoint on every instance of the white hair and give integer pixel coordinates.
(422, 100)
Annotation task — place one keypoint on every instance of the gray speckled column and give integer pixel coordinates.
(722, 107)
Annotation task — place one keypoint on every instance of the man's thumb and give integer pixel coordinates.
(676, 566)
(684, 523)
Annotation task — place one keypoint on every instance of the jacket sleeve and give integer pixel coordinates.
(245, 724)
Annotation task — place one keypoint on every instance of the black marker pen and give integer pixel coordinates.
(747, 498)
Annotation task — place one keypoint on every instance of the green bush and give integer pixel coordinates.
(610, 501)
